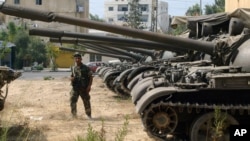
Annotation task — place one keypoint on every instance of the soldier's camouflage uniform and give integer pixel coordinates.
(82, 75)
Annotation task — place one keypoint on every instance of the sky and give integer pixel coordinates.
(176, 7)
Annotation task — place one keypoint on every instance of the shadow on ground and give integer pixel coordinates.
(21, 133)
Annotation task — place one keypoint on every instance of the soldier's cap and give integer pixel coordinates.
(77, 54)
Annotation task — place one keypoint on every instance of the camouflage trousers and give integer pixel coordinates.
(74, 95)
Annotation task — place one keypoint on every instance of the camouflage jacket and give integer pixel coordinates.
(82, 75)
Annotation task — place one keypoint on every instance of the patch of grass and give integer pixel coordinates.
(93, 135)
(120, 135)
(48, 78)
(219, 124)
(20, 133)
(123, 98)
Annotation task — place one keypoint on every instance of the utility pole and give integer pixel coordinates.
(200, 7)
(154, 13)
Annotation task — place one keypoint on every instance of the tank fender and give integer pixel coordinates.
(133, 82)
(140, 77)
(139, 90)
(110, 74)
(150, 96)
(103, 71)
(124, 73)
(138, 71)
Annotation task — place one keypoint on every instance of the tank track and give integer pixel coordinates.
(194, 108)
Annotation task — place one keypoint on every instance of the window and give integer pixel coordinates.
(16, 1)
(144, 18)
(110, 20)
(38, 2)
(121, 17)
(143, 7)
(111, 8)
(123, 7)
(94, 58)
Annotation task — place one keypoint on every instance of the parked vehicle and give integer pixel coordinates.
(94, 65)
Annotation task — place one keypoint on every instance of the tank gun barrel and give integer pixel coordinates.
(123, 52)
(76, 41)
(34, 14)
(122, 41)
(113, 50)
(97, 53)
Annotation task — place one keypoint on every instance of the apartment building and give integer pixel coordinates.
(154, 13)
(74, 8)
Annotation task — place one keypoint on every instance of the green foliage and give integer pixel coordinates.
(93, 135)
(28, 49)
(48, 78)
(12, 31)
(120, 135)
(4, 50)
(219, 6)
(37, 49)
(194, 10)
(178, 30)
(219, 124)
(51, 53)
(133, 18)
(95, 18)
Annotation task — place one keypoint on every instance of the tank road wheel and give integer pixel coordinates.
(203, 128)
(160, 120)
(109, 83)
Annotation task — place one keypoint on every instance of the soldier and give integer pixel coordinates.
(81, 81)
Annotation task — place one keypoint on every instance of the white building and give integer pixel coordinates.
(116, 9)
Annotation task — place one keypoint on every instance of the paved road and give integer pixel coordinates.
(42, 74)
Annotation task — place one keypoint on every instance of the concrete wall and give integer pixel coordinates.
(231, 5)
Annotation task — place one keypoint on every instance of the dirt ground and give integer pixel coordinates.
(43, 107)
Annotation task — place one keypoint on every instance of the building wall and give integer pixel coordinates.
(231, 5)
(63, 7)
(162, 13)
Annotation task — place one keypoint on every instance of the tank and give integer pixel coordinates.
(187, 107)
(7, 75)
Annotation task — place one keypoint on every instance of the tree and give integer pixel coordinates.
(218, 6)
(37, 49)
(28, 49)
(52, 53)
(133, 18)
(95, 18)
(194, 10)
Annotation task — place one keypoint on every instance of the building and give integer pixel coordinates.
(152, 16)
(231, 5)
(73, 8)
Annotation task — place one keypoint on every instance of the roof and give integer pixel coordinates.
(9, 44)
